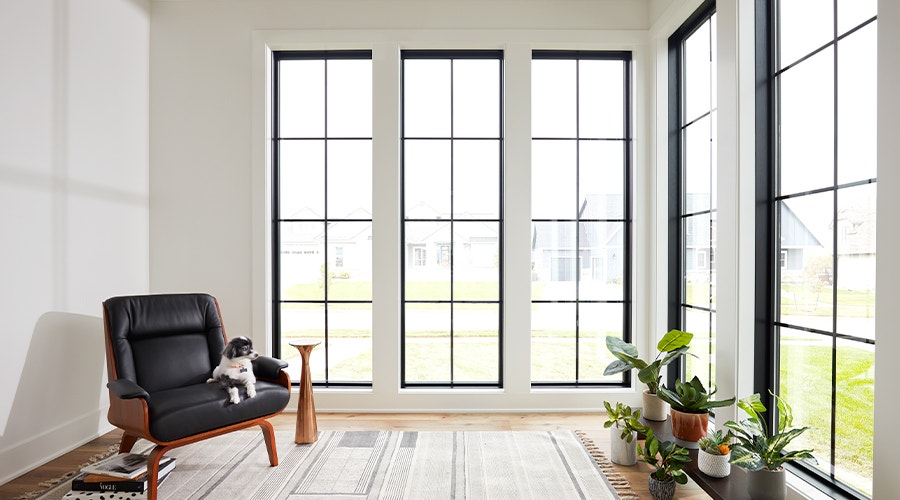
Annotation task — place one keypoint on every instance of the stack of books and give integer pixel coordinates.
(119, 476)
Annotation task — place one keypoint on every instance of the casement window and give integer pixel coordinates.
(581, 214)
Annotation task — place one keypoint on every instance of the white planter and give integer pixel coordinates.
(654, 408)
(713, 465)
(621, 451)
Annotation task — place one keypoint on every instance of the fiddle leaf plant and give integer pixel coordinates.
(691, 397)
(667, 458)
(673, 344)
(755, 447)
(623, 418)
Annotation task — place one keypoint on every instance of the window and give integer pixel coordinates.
(692, 206)
(581, 214)
(452, 210)
(322, 212)
(821, 218)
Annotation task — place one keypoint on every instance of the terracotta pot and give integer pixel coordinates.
(713, 465)
(661, 490)
(621, 451)
(689, 427)
(654, 408)
(766, 484)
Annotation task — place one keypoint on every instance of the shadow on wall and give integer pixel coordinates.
(63, 383)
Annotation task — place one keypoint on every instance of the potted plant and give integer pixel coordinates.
(763, 453)
(690, 405)
(623, 425)
(673, 344)
(715, 454)
(668, 459)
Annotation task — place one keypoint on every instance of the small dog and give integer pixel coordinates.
(236, 369)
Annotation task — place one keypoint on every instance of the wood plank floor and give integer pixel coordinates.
(590, 423)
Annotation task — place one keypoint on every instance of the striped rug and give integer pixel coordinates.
(344, 465)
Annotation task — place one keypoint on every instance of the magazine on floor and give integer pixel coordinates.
(100, 482)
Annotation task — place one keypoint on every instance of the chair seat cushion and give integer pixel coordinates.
(194, 409)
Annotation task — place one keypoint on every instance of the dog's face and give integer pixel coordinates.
(240, 347)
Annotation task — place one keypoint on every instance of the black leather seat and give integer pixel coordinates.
(160, 350)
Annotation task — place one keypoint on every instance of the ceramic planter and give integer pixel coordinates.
(713, 465)
(765, 484)
(621, 451)
(654, 408)
(661, 490)
(688, 428)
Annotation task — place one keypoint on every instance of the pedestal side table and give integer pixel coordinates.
(307, 431)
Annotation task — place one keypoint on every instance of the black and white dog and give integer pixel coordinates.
(236, 369)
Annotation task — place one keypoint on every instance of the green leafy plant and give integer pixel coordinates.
(691, 397)
(673, 344)
(755, 447)
(717, 442)
(623, 418)
(667, 458)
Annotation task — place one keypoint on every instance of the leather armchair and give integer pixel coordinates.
(160, 350)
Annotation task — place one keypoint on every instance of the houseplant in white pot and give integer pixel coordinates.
(623, 425)
(690, 405)
(671, 346)
(763, 453)
(715, 454)
(668, 460)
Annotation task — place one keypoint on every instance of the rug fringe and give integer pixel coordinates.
(617, 480)
(46, 485)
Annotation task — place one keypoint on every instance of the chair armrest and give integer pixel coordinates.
(126, 389)
(267, 367)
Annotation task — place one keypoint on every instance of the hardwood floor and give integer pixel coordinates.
(590, 423)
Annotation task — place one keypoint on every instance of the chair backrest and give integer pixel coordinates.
(163, 342)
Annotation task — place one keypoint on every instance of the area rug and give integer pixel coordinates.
(344, 465)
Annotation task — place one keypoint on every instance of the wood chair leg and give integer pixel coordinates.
(269, 436)
(127, 443)
(153, 470)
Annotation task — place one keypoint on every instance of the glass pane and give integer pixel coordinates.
(427, 339)
(349, 261)
(476, 343)
(553, 261)
(713, 159)
(712, 259)
(350, 179)
(697, 162)
(714, 58)
(350, 98)
(426, 98)
(602, 269)
(852, 13)
(696, 254)
(301, 100)
(856, 261)
(805, 369)
(553, 342)
(805, 233)
(553, 98)
(805, 25)
(553, 180)
(601, 182)
(857, 89)
(476, 261)
(699, 363)
(307, 322)
(426, 179)
(302, 179)
(476, 179)
(697, 78)
(349, 343)
(855, 406)
(601, 94)
(427, 266)
(807, 125)
(476, 98)
(302, 260)
(595, 323)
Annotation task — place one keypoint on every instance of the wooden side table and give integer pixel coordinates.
(307, 430)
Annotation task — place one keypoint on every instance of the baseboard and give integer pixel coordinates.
(37, 450)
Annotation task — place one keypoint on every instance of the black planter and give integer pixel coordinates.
(661, 490)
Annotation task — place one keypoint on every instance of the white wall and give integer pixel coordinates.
(74, 211)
